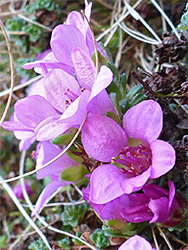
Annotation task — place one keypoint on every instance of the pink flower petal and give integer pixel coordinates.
(103, 138)
(105, 184)
(144, 121)
(65, 38)
(84, 67)
(163, 158)
(47, 151)
(32, 110)
(76, 19)
(159, 207)
(134, 184)
(136, 243)
(56, 83)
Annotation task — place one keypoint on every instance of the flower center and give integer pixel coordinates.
(135, 159)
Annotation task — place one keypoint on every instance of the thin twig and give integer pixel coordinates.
(154, 238)
(117, 23)
(34, 22)
(164, 237)
(12, 74)
(20, 86)
(166, 18)
(60, 204)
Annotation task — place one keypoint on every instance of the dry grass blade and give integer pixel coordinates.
(24, 213)
(12, 71)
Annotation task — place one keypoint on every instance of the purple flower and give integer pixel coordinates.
(75, 33)
(156, 205)
(111, 210)
(47, 151)
(143, 157)
(19, 193)
(62, 102)
(136, 242)
(72, 98)
(29, 112)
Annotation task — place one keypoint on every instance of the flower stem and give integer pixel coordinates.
(164, 237)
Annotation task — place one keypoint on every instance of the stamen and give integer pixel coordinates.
(136, 159)
(71, 95)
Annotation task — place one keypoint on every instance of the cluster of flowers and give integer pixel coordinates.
(127, 157)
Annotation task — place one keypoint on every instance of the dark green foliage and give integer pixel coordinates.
(77, 242)
(64, 243)
(132, 98)
(37, 245)
(74, 214)
(100, 239)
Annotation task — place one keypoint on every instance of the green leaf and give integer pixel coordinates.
(116, 228)
(123, 84)
(134, 91)
(114, 71)
(137, 99)
(64, 243)
(74, 157)
(100, 239)
(116, 224)
(74, 214)
(101, 59)
(64, 139)
(33, 31)
(38, 245)
(74, 173)
(3, 241)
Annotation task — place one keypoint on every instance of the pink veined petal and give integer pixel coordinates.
(76, 112)
(103, 80)
(159, 208)
(32, 110)
(137, 214)
(144, 121)
(50, 62)
(51, 128)
(72, 117)
(76, 19)
(103, 138)
(46, 193)
(112, 210)
(15, 126)
(163, 158)
(172, 191)
(26, 143)
(65, 38)
(136, 243)
(47, 151)
(101, 104)
(105, 184)
(56, 83)
(23, 134)
(134, 184)
(37, 88)
(154, 191)
(97, 207)
(84, 67)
